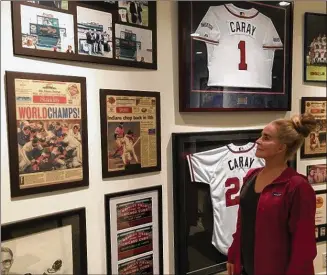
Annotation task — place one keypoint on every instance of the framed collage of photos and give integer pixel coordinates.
(235, 56)
(317, 173)
(106, 32)
(320, 219)
(134, 232)
(315, 144)
(47, 132)
(53, 244)
(315, 47)
(130, 131)
(196, 252)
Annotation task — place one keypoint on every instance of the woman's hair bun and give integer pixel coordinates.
(304, 124)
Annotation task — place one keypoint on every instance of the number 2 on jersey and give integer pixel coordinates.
(242, 66)
(232, 191)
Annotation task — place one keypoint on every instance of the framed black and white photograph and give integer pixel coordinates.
(235, 56)
(134, 232)
(53, 244)
(315, 47)
(320, 218)
(207, 166)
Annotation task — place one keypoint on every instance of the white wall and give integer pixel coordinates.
(164, 80)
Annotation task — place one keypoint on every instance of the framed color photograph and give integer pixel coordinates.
(53, 244)
(235, 56)
(321, 223)
(120, 33)
(47, 132)
(201, 161)
(317, 173)
(134, 232)
(130, 131)
(315, 47)
(315, 144)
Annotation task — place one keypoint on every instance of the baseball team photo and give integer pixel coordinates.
(134, 12)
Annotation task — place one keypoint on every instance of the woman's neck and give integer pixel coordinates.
(275, 165)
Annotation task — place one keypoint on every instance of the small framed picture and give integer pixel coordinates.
(53, 244)
(315, 144)
(130, 131)
(317, 173)
(320, 219)
(315, 47)
(47, 132)
(134, 232)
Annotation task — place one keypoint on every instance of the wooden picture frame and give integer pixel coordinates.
(135, 112)
(227, 83)
(51, 136)
(193, 210)
(87, 31)
(321, 224)
(315, 47)
(315, 144)
(144, 221)
(58, 241)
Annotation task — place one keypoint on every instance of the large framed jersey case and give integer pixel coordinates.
(208, 171)
(235, 56)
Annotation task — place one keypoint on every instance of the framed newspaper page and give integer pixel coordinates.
(52, 244)
(134, 232)
(47, 132)
(315, 47)
(130, 131)
(320, 219)
(235, 56)
(315, 144)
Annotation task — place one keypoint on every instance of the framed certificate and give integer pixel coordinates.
(235, 56)
(321, 223)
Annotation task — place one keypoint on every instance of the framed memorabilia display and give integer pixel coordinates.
(235, 56)
(130, 132)
(321, 223)
(53, 244)
(317, 173)
(315, 144)
(105, 32)
(315, 53)
(47, 132)
(134, 232)
(200, 158)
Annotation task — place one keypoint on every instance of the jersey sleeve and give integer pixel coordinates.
(272, 39)
(208, 29)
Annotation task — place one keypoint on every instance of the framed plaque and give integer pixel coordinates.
(235, 56)
(53, 244)
(105, 32)
(134, 232)
(130, 132)
(315, 144)
(317, 173)
(47, 132)
(315, 52)
(321, 223)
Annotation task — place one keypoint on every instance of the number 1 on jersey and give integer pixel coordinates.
(242, 66)
(232, 191)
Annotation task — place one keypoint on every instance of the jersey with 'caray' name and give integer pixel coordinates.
(223, 169)
(241, 46)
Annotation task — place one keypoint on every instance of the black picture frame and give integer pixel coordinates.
(194, 252)
(315, 32)
(135, 200)
(321, 234)
(16, 182)
(45, 225)
(318, 175)
(317, 148)
(107, 136)
(222, 93)
(107, 50)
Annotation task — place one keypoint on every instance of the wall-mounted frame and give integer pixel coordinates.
(320, 219)
(193, 210)
(134, 232)
(236, 66)
(46, 245)
(315, 144)
(317, 173)
(315, 47)
(47, 132)
(104, 32)
(130, 132)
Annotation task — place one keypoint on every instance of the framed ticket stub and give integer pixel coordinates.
(315, 144)
(134, 232)
(320, 218)
(130, 131)
(235, 56)
(47, 132)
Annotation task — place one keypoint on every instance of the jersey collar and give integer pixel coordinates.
(241, 13)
